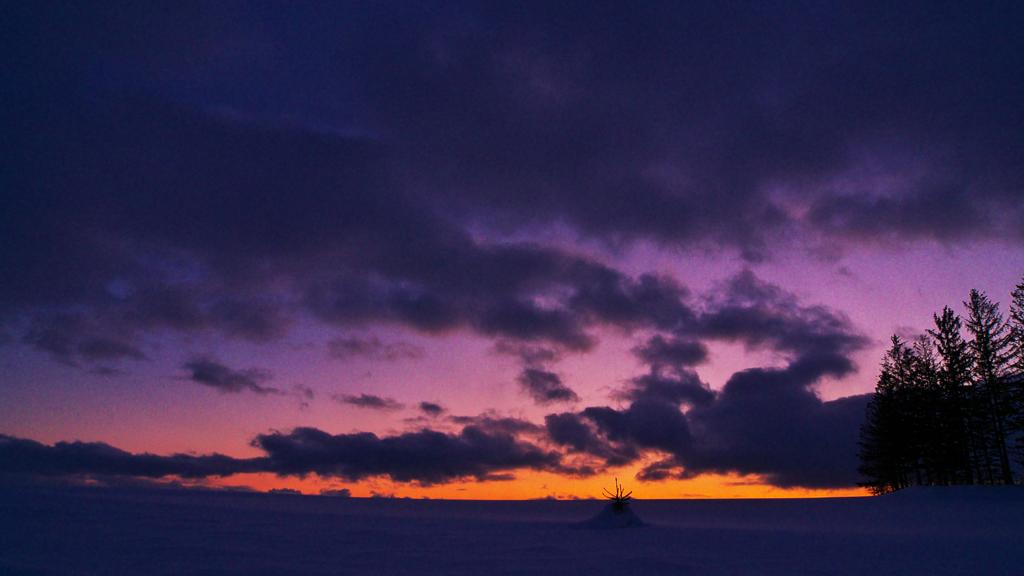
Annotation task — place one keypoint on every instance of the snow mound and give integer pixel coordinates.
(613, 517)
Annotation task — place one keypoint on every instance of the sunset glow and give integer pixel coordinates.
(487, 252)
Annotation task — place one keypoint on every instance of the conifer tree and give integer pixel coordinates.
(1017, 329)
(954, 378)
(883, 439)
(1017, 366)
(990, 347)
(924, 416)
(877, 465)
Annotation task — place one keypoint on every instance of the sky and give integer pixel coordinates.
(475, 250)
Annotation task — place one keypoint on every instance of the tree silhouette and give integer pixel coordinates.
(954, 376)
(1017, 366)
(947, 410)
(886, 444)
(990, 349)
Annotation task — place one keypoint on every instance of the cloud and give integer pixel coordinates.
(495, 423)
(541, 384)
(485, 452)
(431, 409)
(425, 456)
(209, 372)
(529, 355)
(767, 122)
(21, 456)
(373, 349)
(527, 321)
(196, 210)
(369, 401)
(761, 315)
(661, 351)
(764, 117)
(545, 387)
(577, 435)
(767, 421)
(208, 269)
(683, 387)
(249, 318)
(70, 339)
(648, 300)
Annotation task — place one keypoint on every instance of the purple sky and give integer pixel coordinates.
(661, 238)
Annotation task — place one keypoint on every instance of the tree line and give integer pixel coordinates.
(949, 409)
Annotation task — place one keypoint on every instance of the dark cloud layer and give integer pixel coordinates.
(222, 173)
(160, 194)
(768, 422)
(67, 339)
(761, 315)
(325, 234)
(487, 452)
(765, 421)
(760, 423)
(424, 456)
(21, 456)
(661, 351)
(704, 123)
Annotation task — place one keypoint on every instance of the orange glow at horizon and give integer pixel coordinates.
(530, 485)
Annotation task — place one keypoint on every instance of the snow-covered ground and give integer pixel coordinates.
(146, 532)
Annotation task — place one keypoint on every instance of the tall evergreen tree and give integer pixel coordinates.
(878, 463)
(990, 349)
(1017, 366)
(924, 396)
(954, 378)
(885, 445)
(1017, 328)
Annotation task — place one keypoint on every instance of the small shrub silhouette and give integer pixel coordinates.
(620, 498)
